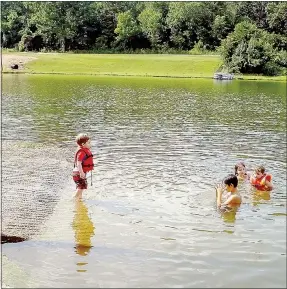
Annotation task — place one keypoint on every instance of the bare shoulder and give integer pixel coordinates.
(234, 199)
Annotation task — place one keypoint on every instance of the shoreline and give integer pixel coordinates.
(266, 78)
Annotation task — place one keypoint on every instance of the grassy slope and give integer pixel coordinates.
(128, 64)
(123, 64)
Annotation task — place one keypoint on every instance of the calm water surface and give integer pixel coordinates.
(149, 219)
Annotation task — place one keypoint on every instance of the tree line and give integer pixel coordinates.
(250, 36)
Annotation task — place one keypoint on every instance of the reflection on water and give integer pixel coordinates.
(84, 229)
(160, 146)
(259, 197)
(229, 214)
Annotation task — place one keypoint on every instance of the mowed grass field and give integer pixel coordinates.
(152, 65)
(123, 64)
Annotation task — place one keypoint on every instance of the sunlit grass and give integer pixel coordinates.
(124, 64)
(260, 77)
(155, 65)
(118, 64)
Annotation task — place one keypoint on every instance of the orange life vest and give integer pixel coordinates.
(259, 185)
(87, 162)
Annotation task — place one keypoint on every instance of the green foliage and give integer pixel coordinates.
(277, 17)
(221, 27)
(251, 50)
(12, 22)
(177, 20)
(254, 11)
(124, 26)
(198, 49)
(150, 22)
(57, 20)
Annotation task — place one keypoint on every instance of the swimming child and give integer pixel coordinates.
(240, 171)
(233, 198)
(83, 163)
(260, 180)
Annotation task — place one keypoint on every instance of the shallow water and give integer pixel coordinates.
(149, 219)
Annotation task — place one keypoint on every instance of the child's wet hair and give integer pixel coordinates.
(237, 166)
(231, 179)
(260, 169)
(82, 138)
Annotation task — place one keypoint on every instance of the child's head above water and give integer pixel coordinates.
(82, 139)
(259, 171)
(240, 169)
(231, 182)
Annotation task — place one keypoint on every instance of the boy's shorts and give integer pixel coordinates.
(81, 183)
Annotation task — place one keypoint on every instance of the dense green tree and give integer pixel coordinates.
(127, 27)
(58, 20)
(177, 23)
(251, 50)
(13, 22)
(255, 11)
(277, 17)
(151, 24)
(224, 21)
(191, 22)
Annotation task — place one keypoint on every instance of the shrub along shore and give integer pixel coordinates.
(149, 65)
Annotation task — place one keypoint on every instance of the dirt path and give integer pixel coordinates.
(10, 59)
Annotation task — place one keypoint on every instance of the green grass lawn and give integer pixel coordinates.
(123, 64)
(260, 77)
(165, 65)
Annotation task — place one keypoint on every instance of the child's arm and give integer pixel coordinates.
(79, 165)
(219, 192)
(267, 182)
(269, 185)
(251, 179)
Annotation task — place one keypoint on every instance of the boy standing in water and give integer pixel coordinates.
(233, 198)
(83, 163)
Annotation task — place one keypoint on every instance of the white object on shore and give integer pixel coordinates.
(223, 76)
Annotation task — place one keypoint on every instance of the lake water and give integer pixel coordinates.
(150, 218)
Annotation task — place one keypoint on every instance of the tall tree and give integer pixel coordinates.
(255, 11)
(127, 27)
(181, 35)
(13, 21)
(277, 17)
(251, 50)
(58, 20)
(151, 24)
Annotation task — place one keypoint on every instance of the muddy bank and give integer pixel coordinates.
(9, 60)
